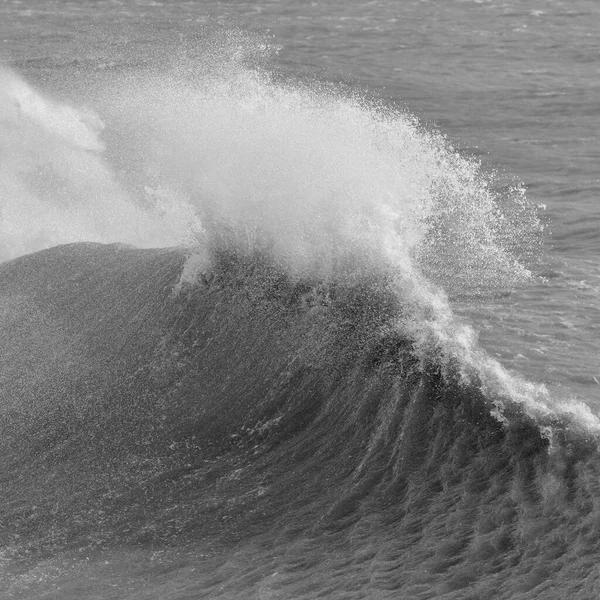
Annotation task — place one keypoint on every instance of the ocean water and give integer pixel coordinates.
(299, 300)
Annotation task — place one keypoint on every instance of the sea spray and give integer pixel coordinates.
(326, 180)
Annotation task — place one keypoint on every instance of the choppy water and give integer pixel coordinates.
(370, 369)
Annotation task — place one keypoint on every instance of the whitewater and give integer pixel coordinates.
(258, 336)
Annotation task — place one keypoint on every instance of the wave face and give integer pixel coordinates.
(281, 430)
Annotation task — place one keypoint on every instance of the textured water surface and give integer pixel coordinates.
(299, 300)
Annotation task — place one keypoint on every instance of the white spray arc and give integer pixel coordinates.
(321, 178)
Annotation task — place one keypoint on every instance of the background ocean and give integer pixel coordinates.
(357, 353)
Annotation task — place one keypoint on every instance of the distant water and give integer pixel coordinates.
(343, 341)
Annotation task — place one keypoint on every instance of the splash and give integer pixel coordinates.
(327, 182)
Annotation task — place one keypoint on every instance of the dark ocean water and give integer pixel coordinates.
(299, 300)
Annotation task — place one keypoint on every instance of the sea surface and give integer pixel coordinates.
(299, 299)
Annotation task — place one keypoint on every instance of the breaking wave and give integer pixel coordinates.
(263, 361)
